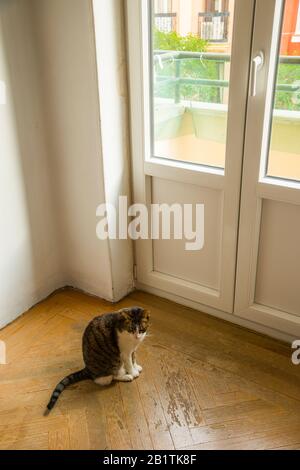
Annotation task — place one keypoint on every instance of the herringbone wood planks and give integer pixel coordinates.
(206, 384)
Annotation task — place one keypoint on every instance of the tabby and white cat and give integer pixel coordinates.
(109, 347)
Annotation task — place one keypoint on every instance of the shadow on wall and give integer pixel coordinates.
(66, 55)
(30, 260)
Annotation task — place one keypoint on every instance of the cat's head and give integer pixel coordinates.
(136, 321)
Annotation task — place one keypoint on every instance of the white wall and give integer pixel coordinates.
(64, 33)
(58, 161)
(30, 265)
(86, 111)
(114, 106)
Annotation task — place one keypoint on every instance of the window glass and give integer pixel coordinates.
(191, 61)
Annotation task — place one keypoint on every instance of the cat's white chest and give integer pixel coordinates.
(128, 343)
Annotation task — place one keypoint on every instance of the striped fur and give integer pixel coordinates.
(66, 382)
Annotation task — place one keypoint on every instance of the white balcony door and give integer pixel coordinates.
(236, 151)
(268, 270)
(180, 156)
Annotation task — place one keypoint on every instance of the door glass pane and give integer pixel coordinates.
(191, 68)
(284, 156)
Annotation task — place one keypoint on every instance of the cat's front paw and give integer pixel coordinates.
(127, 378)
(138, 368)
(135, 373)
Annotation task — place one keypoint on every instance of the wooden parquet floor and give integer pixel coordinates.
(206, 384)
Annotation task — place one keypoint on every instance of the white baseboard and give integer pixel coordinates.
(219, 314)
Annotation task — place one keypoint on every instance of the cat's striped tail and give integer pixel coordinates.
(66, 382)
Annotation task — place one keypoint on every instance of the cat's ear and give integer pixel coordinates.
(124, 312)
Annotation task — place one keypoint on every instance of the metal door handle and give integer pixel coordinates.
(257, 64)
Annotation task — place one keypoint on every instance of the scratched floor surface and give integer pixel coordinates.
(206, 384)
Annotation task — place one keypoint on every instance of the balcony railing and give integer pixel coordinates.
(165, 22)
(176, 57)
(213, 27)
